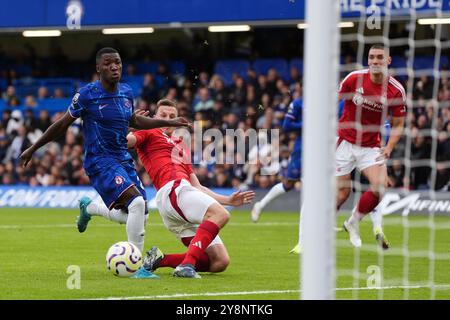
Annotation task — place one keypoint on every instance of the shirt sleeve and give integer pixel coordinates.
(398, 109)
(292, 120)
(189, 169)
(77, 106)
(345, 85)
(141, 136)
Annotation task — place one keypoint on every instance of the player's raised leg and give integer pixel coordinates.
(369, 199)
(89, 208)
(276, 191)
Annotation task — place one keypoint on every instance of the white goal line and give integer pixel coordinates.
(244, 293)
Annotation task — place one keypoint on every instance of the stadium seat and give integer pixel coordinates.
(54, 105)
(66, 84)
(144, 67)
(398, 62)
(3, 84)
(135, 82)
(261, 66)
(3, 105)
(226, 69)
(177, 67)
(297, 63)
(423, 62)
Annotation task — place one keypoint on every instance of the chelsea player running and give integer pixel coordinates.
(106, 108)
(292, 123)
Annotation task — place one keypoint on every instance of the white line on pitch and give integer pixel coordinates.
(111, 225)
(243, 293)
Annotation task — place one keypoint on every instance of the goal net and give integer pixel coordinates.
(414, 210)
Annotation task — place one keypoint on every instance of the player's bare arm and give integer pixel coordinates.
(394, 137)
(53, 132)
(131, 141)
(143, 123)
(238, 198)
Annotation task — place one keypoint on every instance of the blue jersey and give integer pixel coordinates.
(293, 121)
(105, 118)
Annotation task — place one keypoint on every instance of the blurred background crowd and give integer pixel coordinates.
(226, 94)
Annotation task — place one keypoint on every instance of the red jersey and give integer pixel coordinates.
(164, 158)
(366, 106)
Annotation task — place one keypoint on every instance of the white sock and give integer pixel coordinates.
(98, 208)
(276, 191)
(377, 219)
(356, 215)
(136, 222)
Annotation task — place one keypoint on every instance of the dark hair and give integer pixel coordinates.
(103, 51)
(379, 46)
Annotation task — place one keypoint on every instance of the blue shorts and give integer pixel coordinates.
(294, 169)
(115, 179)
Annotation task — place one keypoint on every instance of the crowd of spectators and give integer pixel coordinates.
(255, 103)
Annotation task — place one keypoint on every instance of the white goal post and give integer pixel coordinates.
(319, 132)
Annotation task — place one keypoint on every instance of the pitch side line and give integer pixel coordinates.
(113, 225)
(243, 293)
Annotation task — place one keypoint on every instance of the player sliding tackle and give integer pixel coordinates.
(192, 212)
(106, 108)
(370, 95)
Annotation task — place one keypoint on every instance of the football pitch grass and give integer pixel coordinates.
(39, 245)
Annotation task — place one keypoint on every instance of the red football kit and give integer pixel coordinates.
(366, 106)
(165, 158)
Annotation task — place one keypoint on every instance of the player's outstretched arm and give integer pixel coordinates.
(53, 132)
(238, 198)
(142, 123)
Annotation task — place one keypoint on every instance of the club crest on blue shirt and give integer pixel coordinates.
(118, 180)
(127, 103)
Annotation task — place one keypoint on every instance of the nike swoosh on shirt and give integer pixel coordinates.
(102, 106)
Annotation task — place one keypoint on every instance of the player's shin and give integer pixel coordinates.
(136, 222)
(205, 234)
(377, 219)
(367, 203)
(98, 208)
(275, 192)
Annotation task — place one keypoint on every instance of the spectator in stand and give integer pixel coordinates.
(42, 93)
(10, 94)
(44, 120)
(30, 102)
(58, 93)
(218, 90)
(238, 93)
(204, 101)
(294, 74)
(150, 90)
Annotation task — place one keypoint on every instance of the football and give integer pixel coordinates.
(123, 259)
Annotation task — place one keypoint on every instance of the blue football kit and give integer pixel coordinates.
(106, 117)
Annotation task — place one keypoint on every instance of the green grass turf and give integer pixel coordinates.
(38, 245)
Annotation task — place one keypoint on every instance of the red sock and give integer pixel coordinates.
(171, 260)
(205, 234)
(174, 259)
(368, 202)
